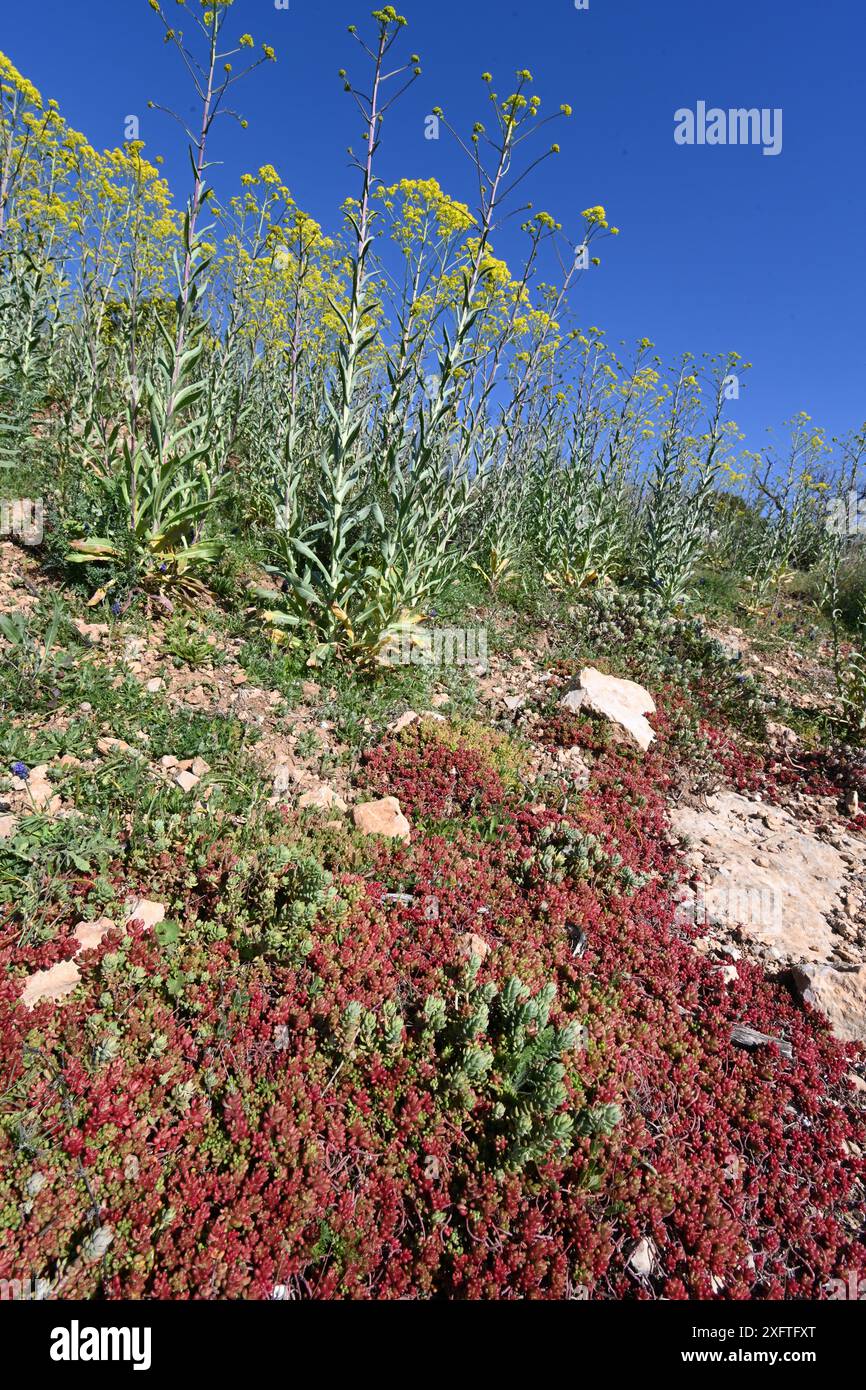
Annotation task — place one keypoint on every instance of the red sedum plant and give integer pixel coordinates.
(496, 1099)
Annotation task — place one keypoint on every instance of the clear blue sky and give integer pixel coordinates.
(721, 247)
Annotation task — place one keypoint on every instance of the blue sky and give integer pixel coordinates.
(720, 247)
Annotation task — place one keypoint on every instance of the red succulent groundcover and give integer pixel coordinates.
(240, 1120)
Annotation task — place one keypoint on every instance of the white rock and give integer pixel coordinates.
(143, 910)
(642, 1259)
(840, 995)
(780, 887)
(90, 934)
(53, 984)
(623, 702)
(321, 798)
(403, 722)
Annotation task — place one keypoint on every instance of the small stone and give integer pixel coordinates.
(321, 798)
(144, 911)
(410, 717)
(382, 817)
(53, 984)
(470, 945)
(239, 678)
(839, 994)
(199, 768)
(39, 789)
(729, 973)
(91, 632)
(168, 761)
(310, 690)
(623, 702)
(514, 703)
(154, 685)
(437, 701)
(90, 934)
(642, 1259)
(7, 826)
(111, 745)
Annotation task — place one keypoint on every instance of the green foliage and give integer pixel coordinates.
(187, 642)
(505, 1065)
(275, 893)
(35, 663)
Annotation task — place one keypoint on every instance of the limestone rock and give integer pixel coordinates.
(382, 817)
(839, 994)
(143, 910)
(321, 798)
(623, 702)
(403, 722)
(471, 944)
(90, 934)
(53, 984)
(775, 881)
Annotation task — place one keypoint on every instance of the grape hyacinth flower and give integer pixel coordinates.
(21, 770)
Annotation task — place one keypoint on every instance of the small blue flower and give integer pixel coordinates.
(115, 608)
(20, 770)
